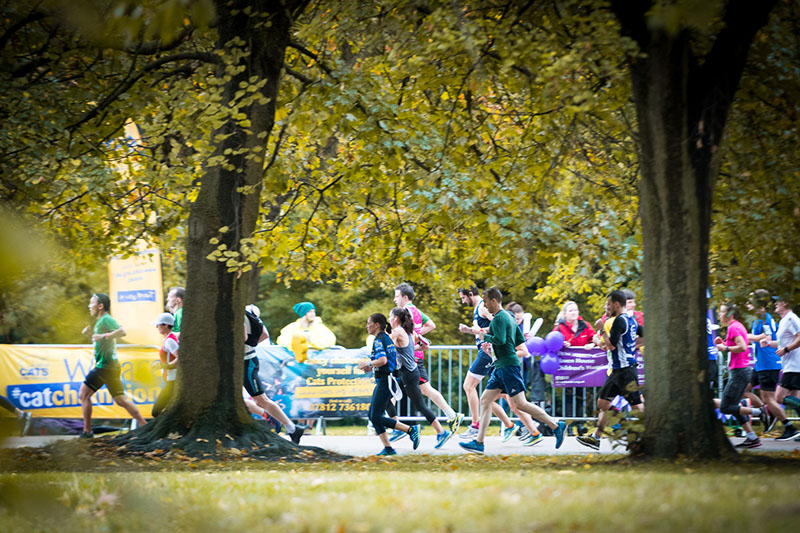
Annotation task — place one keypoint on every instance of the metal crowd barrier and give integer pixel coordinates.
(448, 365)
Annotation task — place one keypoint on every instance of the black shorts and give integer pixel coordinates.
(108, 376)
(252, 383)
(767, 379)
(423, 374)
(622, 382)
(790, 380)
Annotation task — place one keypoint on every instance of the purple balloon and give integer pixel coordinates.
(554, 341)
(536, 346)
(549, 363)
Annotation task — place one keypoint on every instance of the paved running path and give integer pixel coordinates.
(362, 446)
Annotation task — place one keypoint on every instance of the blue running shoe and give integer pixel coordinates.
(442, 437)
(413, 434)
(508, 432)
(532, 440)
(387, 451)
(472, 446)
(397, 435)
(559, 432)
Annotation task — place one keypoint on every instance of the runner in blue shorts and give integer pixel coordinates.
(502, 339)
(481, 367)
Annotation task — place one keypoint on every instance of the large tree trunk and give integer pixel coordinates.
(675, 207)
(208, 406)
(682, 105)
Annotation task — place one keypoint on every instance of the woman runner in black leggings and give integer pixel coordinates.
(403, 337)
(382, 362)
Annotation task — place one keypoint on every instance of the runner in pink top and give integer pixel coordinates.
(735, 345)
(738, 359)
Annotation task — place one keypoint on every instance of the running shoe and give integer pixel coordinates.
(413, 434)
(533, 440)
(589, 440)
(442, 437)
(789, 432)
(397, 435)
(749, 443)
(387, 451)
(559, 433)
(524, 433)
(469, 434)
(772, 422)
(472, 446)
(455, 422)
(507, 433)
(24, 423)
(299, 429)
(765, 418)
(85, 435)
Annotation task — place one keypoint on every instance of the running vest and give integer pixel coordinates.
(416, 317)
(481, 321)
(168, 358)
(766, 356)
(253, 328)
(405, 355)
(623, 355)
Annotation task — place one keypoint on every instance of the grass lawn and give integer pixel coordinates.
(412, 493)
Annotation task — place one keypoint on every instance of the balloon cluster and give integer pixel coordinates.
(548, 348)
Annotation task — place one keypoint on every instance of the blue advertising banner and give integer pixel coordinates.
(328, 383)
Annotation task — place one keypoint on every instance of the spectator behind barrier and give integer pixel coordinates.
(577, 332)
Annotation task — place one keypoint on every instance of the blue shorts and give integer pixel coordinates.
(482, 365)
(508, 379)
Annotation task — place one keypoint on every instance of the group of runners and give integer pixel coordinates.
(397, 360)
(775, 371)
(498, 336)
(107, 370)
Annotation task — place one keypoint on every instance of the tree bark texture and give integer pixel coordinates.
(208, 404)
(682, 104)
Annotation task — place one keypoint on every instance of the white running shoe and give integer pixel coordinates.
(469, 434)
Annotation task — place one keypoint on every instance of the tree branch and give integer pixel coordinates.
(306, 52)
(14, 28)
(129, 82)
(713, 85)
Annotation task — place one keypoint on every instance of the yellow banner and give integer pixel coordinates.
(363, 388)
(137, 294)
(45, 379)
